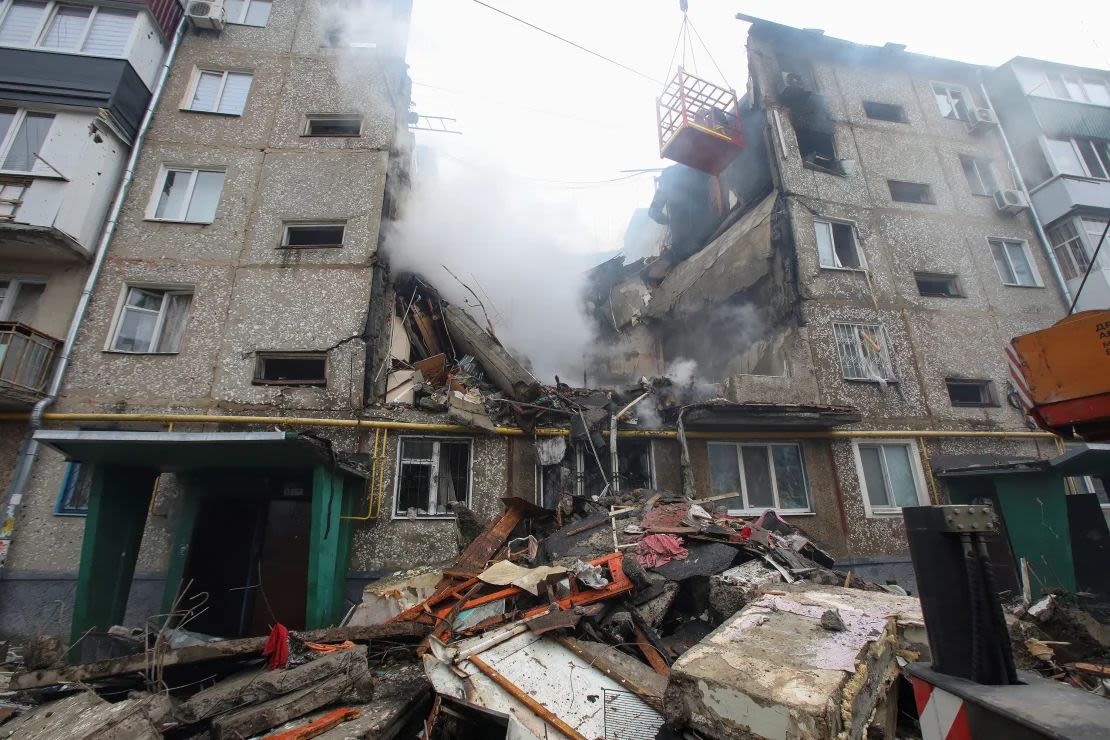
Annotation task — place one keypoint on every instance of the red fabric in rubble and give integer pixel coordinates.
(277, 647)
(660, 549)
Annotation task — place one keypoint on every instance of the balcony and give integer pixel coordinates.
(26, 358)
(1062, 194)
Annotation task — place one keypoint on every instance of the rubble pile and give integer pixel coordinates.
(1063, 637)
(639, 616)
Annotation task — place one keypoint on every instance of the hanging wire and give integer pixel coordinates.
(709, 53)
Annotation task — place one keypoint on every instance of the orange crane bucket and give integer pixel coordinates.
(699, 123)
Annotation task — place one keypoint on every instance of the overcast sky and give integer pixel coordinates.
(558, 121)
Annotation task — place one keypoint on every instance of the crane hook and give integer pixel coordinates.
(683, 5)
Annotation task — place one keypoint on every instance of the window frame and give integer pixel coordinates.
(1064, 250)
(167, 290)
(310, 118)
(748, 509)
(922, 490)
(832, 238)
(884, 351)
(50, 12)
(77, 474)
(434, 464)
(16, 281)
(8, 139)
(1080, 81)
(160, 184)
(286, 225)
(1037, 281)
(932, 198)
(246, 11)
(260, 358)
(978, 164)
(194, 82)
(965, 95)
(1099, 147)
(959, 293)
(987, 386)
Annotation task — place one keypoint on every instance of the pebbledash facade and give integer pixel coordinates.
(244, 280)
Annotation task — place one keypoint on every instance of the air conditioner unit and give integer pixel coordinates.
(981, 118)
(791, 87)
(206, 14)
(1010, 201)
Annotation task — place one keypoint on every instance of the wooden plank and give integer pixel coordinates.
(474, 558)
(243, 648)
(653, 657)
(255, 719)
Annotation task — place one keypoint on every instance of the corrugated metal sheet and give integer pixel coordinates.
(1065, 118)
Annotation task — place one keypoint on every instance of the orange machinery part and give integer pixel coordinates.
(1066, 371)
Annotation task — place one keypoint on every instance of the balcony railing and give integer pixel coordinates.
(26, 357)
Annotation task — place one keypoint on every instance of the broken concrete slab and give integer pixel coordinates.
(731, 590)
(771, 671)
(655, 610)
(501, 367)
(401, 695)
(85, 716)
(387, 597)
(704, 559)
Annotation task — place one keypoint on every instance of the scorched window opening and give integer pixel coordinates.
(432, 473)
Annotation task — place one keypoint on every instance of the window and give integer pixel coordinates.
(22, 134)
(910, 192)
(188, 195)
(1014, 263)
(980, 175)
(890, 474)
(953, 101)
(87, 29)
(151, 320)
(763, 476)
(970, 392)
(863, 352)
(884, 111)
(937, 285)
(1080, 157)
(73, 496)
(220, 92)
(431, 474)
(1071, 254)
(329, 125)
(836, 245)
(1076, 87)
(313, 235)
(291, 368)
(247, 12)
(19, 298)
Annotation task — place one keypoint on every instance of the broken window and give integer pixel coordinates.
(189, 195)
(247, 12)
(953, 101)
(980, 175)
(151, 320)
(884, 111)
(432, 473)
(763, 476)
(970, 392)
(73, 496)
(313, 235)
(889, 475)
(836, 245)
(937, 285)
(333, 125)
(1014, 263)
(863, 352)
(817, 148)
(218, 91)
(910, 192)
(291, 368)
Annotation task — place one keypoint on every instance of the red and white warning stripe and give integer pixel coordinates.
(943, 716)
(1025, 395)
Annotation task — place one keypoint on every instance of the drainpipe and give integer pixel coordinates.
(1045, 244)
(30, 450)
(614, 463)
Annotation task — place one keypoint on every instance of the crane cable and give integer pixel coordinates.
(684, 39)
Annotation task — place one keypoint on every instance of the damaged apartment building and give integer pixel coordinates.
(254, 398)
